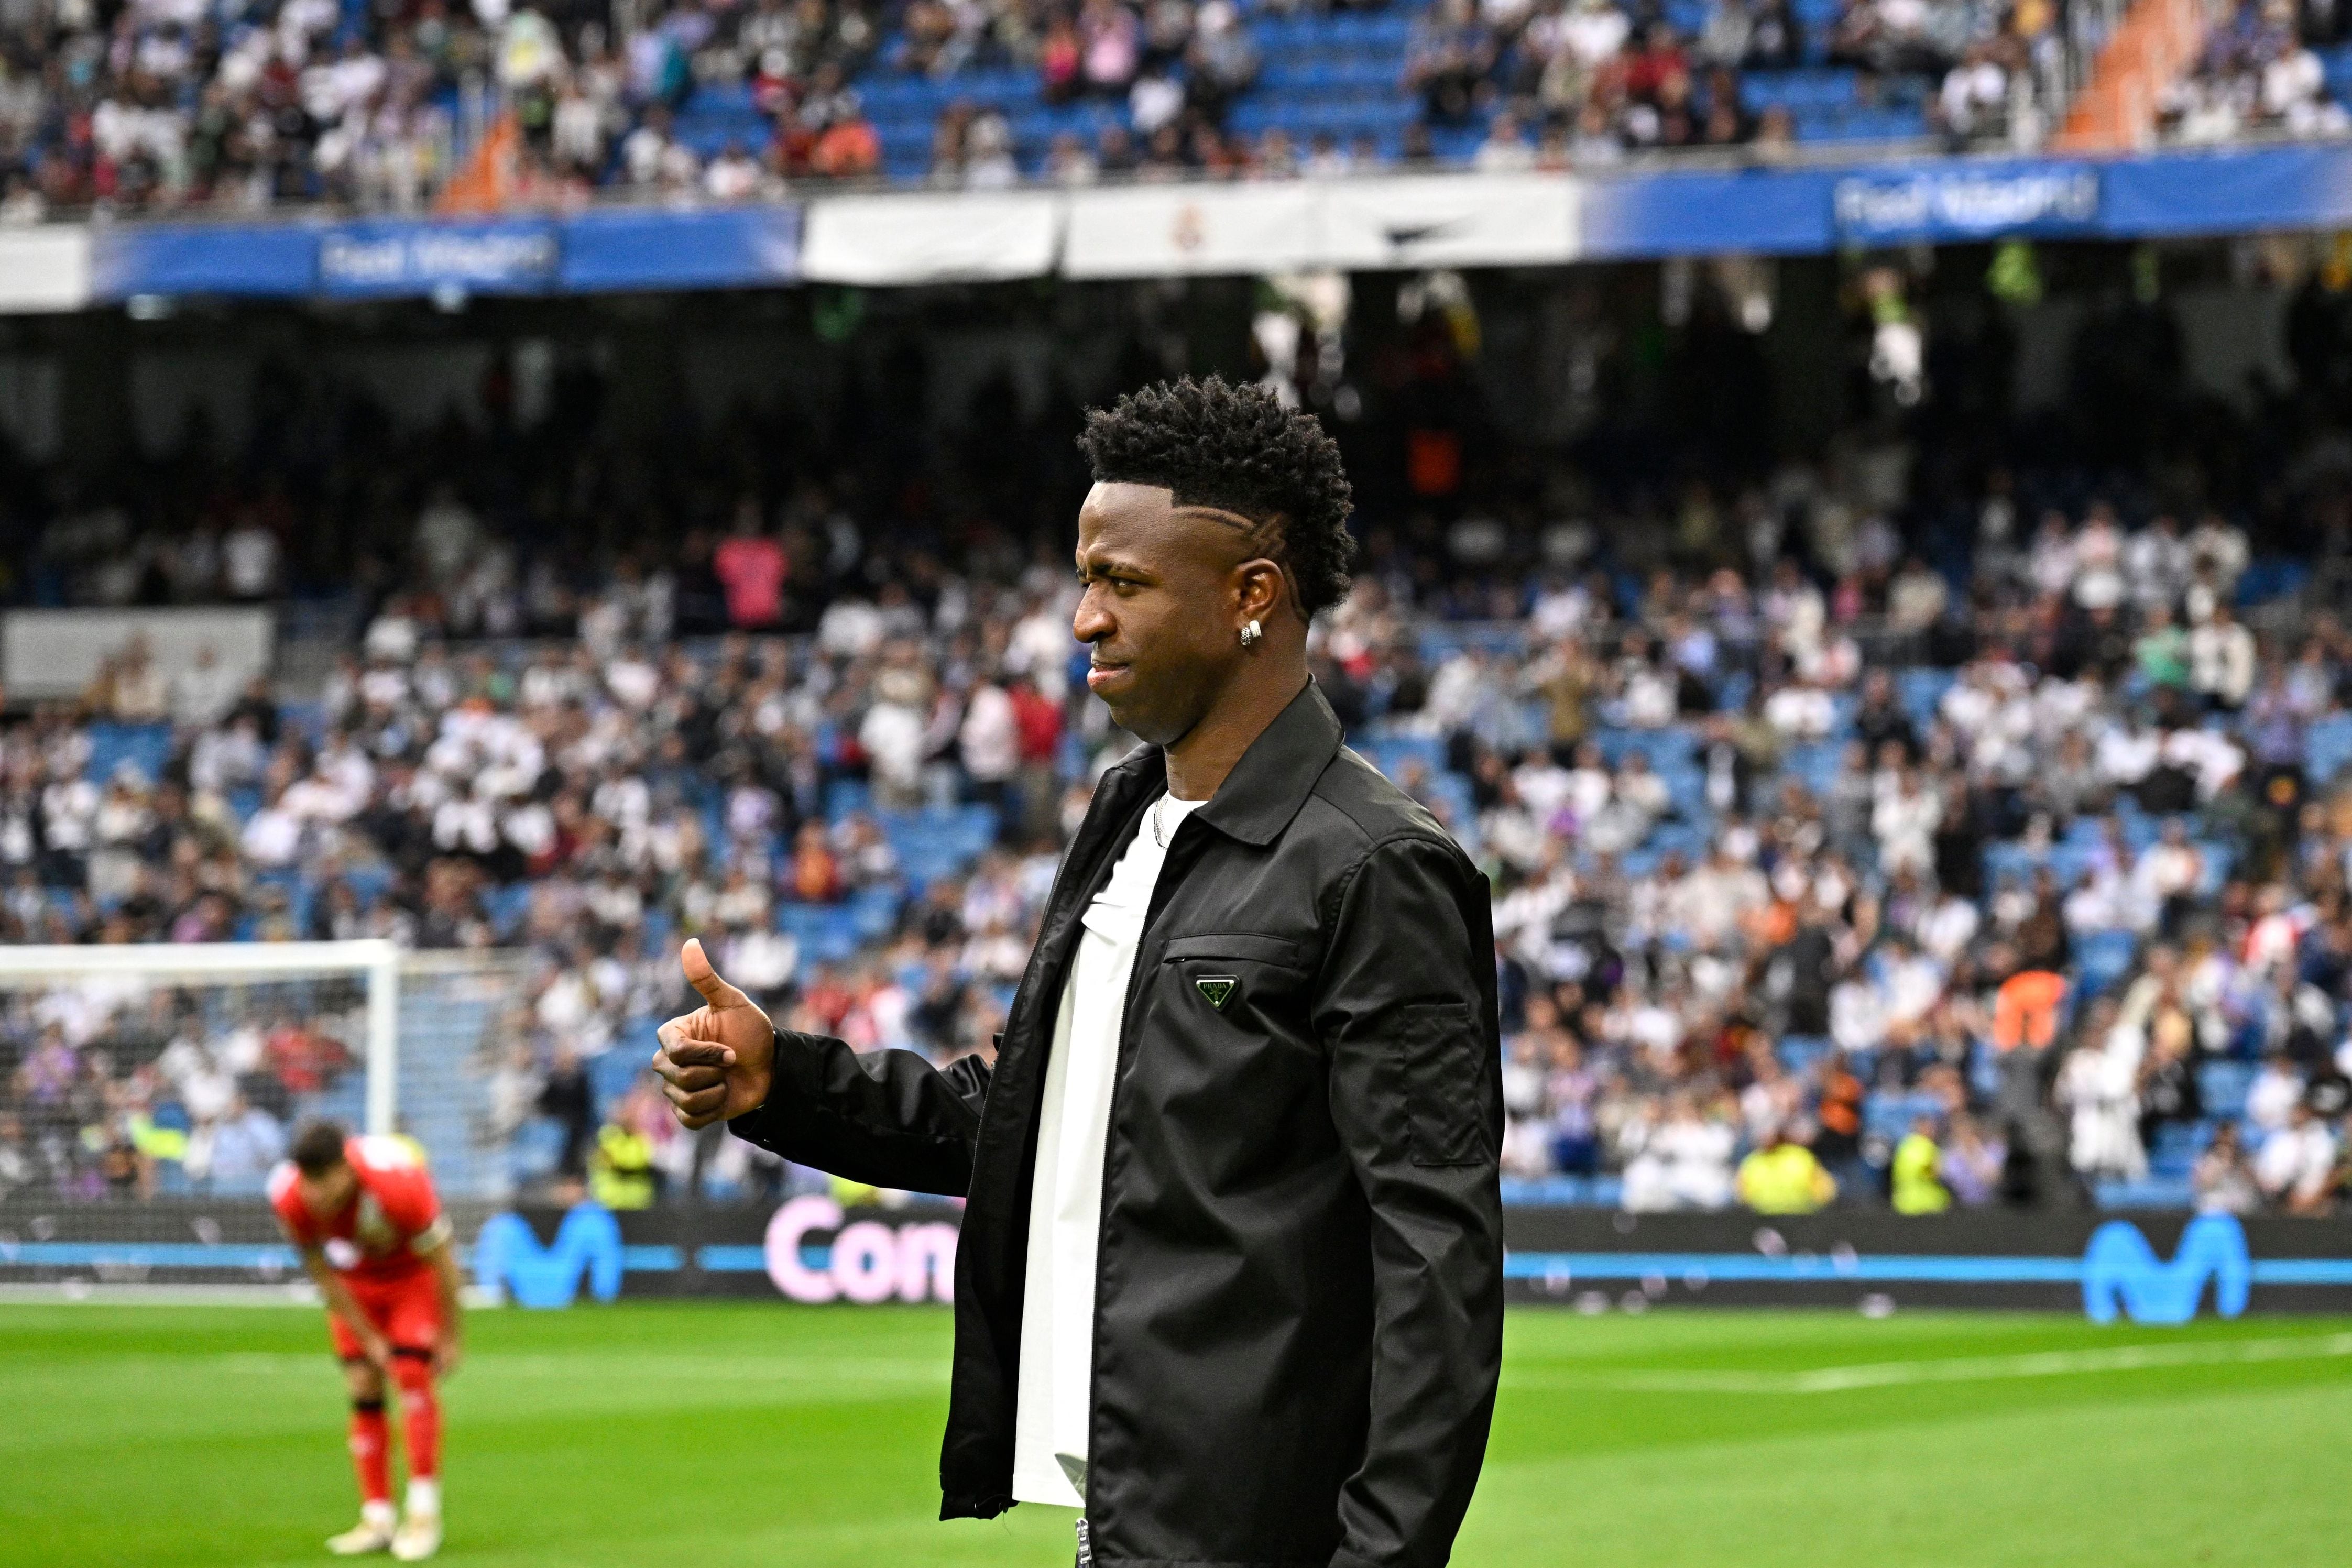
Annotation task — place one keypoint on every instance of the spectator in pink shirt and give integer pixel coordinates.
(751, 566)
(1111, 39)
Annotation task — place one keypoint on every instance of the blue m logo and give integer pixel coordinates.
(2120, 1267)
(509, 1257)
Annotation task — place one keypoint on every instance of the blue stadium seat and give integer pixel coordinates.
(827, 933)
(874, 912)
(2327, 746)
(1921, 691)
(535, 1147)
(1799, 1053)
(846, 796)
(2177, 1147)
(2223, 1085)
(2151, 1192)
(1662, 748)
(1392, 753)
(1564, 1191)
(146, 747)
(2104, 957)
(2272, 577)
(613, 1073)
(1814, 764)
(507, 907)
(1889, 1116)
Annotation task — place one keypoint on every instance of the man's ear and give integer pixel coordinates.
(1260, 589)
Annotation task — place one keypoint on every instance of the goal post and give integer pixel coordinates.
(375, 958)
(146, 1091)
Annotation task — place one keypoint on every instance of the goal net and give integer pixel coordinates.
(146, 1091)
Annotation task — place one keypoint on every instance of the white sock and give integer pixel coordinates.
(379, 1514)
(424, 1494)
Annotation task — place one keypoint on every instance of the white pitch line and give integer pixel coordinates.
(1969, 1369)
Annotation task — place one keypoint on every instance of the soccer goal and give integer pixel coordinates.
(149, 1089)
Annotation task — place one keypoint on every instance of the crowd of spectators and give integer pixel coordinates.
(167, 104)
(1578, 81)
(1812, 882)
(1571, 82)
(173, 103)
(2259, 74)
(164, 104)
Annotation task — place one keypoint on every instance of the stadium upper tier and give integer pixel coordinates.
(239, 109)
(2055, 881)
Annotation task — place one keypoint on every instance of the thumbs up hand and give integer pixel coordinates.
(719, 1060)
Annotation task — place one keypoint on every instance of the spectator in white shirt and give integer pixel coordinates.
(250, 559)
(2221, 660)
(990, 738)
(1506, 150)
(273, 835)
(1800, 711)
(1904, 821)
(203, 691)
(732, 176)
(2297, 1161)
(1684, 1163)
(2272, 1097)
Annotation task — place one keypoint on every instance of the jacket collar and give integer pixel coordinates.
(1270, 782)
(1266, 788)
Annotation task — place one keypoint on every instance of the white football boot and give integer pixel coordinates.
(374, 1532)
(419, 1537)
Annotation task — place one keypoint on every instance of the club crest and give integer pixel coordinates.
(1219, 988)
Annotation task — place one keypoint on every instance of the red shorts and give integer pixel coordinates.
(405, 1307)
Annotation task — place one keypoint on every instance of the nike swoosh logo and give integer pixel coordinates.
(1413, 234)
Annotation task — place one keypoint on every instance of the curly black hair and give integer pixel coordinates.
(1238, 449)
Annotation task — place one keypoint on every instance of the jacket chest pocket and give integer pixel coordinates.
(1236, 975)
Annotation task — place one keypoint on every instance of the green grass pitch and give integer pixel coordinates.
(717, 1435)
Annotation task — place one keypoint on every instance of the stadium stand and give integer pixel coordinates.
(243, 108)
(1770, 852)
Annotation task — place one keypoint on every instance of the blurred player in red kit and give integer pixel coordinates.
(370, 1231)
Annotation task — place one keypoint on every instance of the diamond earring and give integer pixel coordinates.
(1251, 633)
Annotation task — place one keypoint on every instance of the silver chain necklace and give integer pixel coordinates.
(1157, 836)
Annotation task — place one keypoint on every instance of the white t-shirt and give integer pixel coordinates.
(1058, 1348)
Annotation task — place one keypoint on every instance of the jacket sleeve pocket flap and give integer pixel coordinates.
(1444, 1094)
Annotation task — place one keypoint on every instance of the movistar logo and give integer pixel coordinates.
(1218, 988)
(2119, 1268)
(509, 1257)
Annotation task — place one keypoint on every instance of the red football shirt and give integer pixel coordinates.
(392, 1219)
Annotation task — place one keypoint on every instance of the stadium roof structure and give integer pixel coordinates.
(1372, 223)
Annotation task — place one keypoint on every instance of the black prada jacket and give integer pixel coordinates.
(1298, 1317)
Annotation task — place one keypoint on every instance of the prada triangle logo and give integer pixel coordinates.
(1218, 988)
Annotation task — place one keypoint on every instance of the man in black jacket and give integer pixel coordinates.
(1230, 1275)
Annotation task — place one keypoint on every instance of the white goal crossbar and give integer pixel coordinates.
(376, 957)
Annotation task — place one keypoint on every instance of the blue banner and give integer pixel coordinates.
(730, 247)
(620, 248)
(1764, 210)
(266, 259)
(2230, 192)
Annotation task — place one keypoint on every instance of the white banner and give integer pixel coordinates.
(1450, 220)
(1161, 231)
(1431, 220)
(44, 269)
(57, 652)
(972, 236)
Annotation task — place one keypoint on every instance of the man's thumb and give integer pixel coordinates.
(705, 980)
